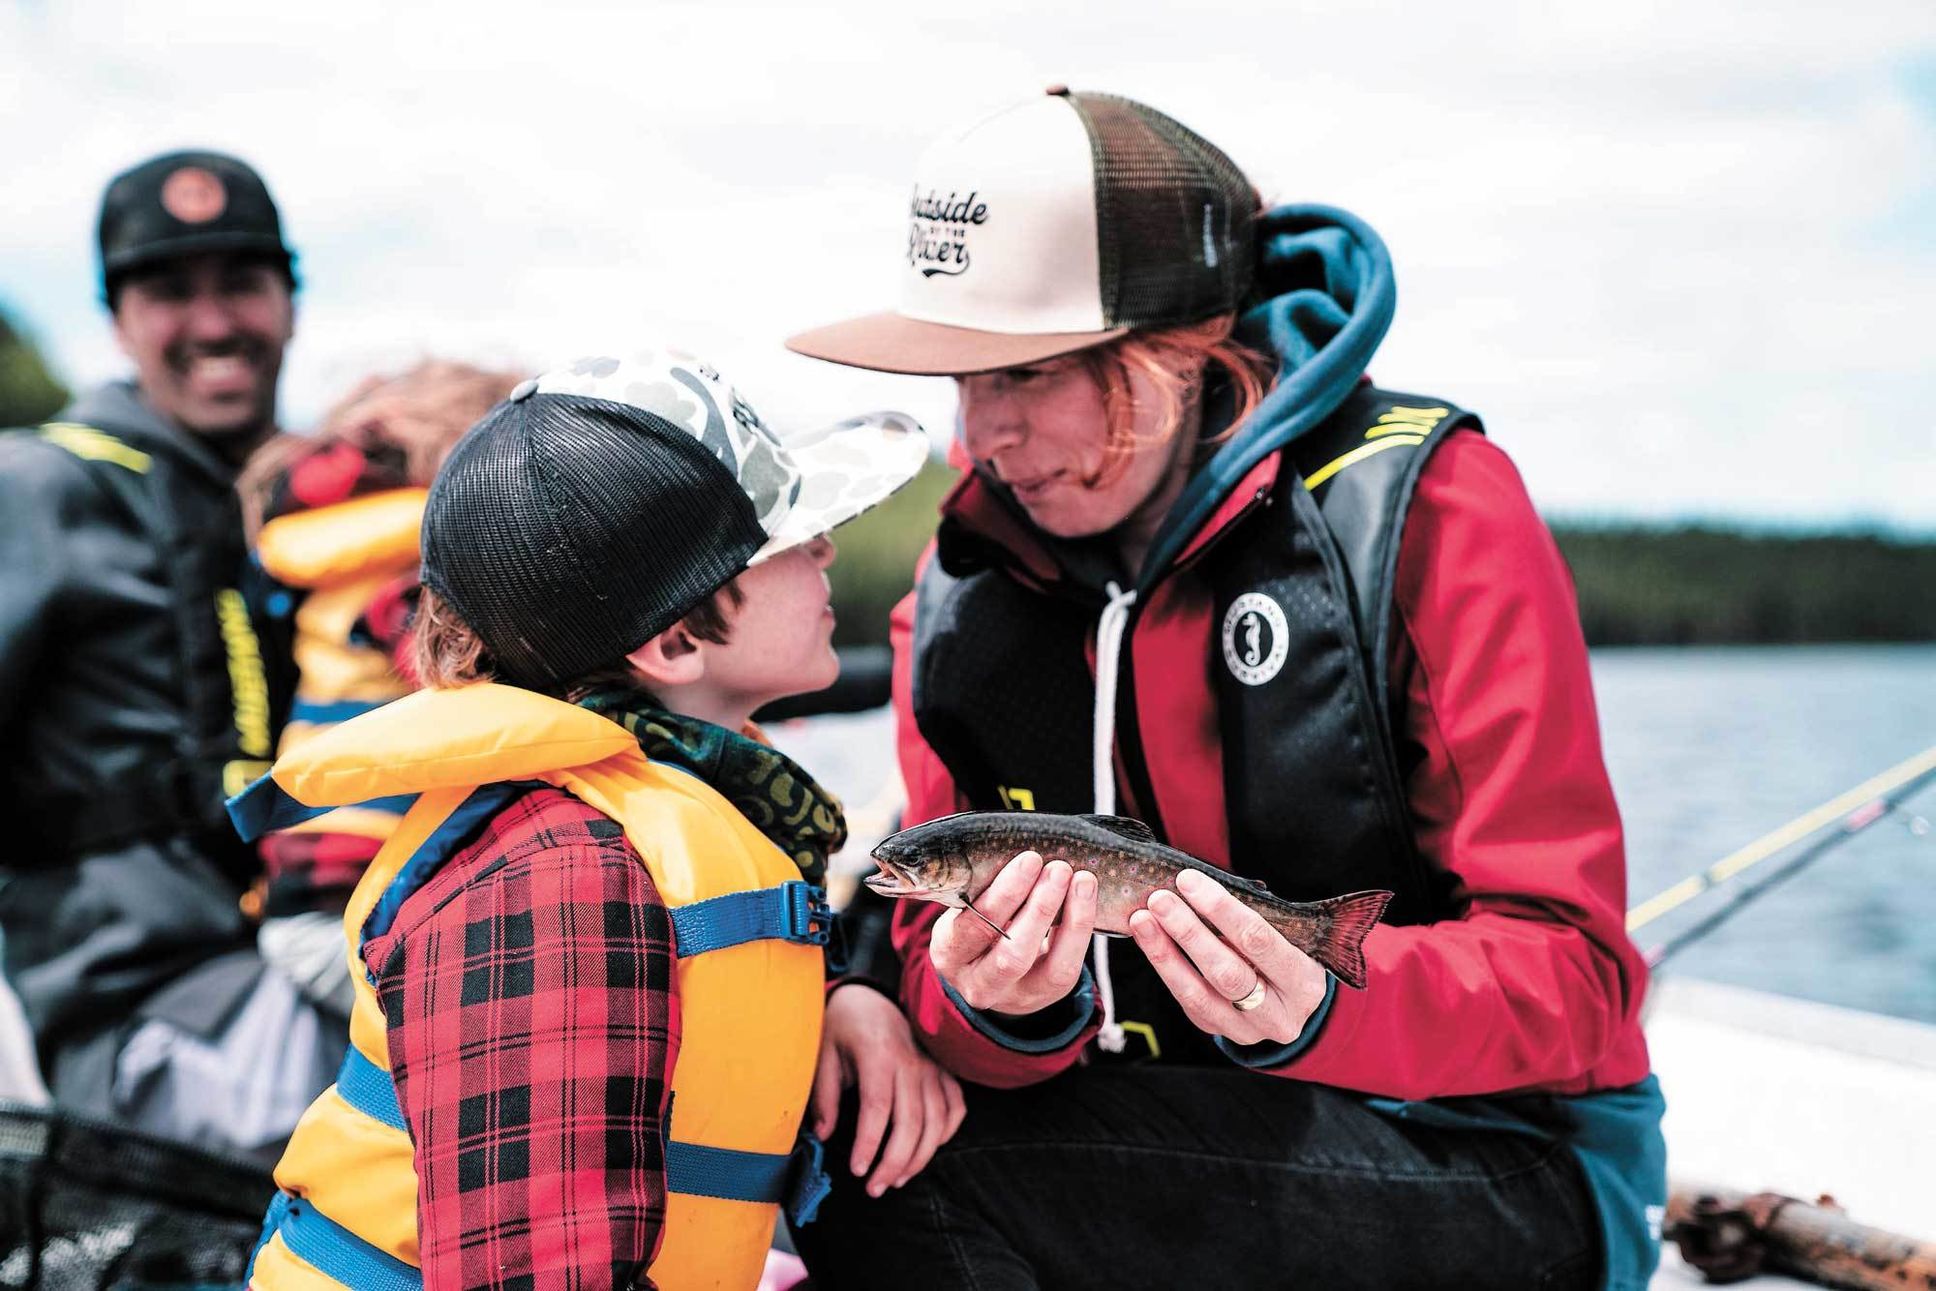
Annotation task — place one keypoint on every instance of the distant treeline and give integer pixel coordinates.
(1638, 585)
(1699, 585)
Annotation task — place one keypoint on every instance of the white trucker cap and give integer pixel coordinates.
(1057, 224)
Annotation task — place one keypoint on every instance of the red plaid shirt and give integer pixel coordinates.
(533, 1025)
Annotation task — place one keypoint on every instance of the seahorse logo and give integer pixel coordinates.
(1256, 638)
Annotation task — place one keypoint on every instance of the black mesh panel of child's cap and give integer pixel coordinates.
(568, 530)
(1174, 216)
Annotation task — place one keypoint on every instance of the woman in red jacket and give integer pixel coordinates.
(1205, 574)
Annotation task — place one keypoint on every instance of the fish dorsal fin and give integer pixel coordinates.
(1124, 827)
(1239, 881)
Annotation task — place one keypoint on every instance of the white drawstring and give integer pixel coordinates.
(1109, 647)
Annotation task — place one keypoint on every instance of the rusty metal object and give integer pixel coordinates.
(1730, 1236)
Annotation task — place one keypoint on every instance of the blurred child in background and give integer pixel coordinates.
(334, 518)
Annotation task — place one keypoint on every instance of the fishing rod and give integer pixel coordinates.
(1856, 810)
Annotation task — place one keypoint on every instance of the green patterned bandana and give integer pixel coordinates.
(765, 785)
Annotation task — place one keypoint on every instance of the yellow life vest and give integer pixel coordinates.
(341, 556)
(748, 934)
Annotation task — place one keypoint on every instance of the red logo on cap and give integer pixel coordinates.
(193, 195)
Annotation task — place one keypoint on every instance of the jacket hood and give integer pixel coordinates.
(118, 408)
(1322, 300)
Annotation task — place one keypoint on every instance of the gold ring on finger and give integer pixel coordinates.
(1251, 1000)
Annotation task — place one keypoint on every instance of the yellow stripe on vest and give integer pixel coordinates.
(1356, 455)
(1400, 419)
(248, 681)
(94, 445)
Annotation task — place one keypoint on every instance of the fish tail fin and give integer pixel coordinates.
(1346, 921)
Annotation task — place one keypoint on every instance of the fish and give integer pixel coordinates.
(951, 860)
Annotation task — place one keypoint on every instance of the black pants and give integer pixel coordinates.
(1184, 1177)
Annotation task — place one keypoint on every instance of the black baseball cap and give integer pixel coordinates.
(602, 501)
(186, 203)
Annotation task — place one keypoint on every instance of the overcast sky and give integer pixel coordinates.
(1681, 256)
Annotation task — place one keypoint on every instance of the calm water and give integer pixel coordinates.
(1709, 749)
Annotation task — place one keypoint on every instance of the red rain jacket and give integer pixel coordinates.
(1536, 986)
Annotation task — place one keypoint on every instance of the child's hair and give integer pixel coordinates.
(450, 654)
(419, 414)
(1174, 360)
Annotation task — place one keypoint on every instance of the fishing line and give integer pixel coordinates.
(969, 906)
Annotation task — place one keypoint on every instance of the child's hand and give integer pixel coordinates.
(866, 1042)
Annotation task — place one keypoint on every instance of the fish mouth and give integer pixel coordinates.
(890, 880)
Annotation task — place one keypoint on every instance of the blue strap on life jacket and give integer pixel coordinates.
(265, 807)
(794, 911)
(370, 1090)
(317, 712)
(726, 1173)
(445, 841)
(795, 1179)
(399, 803)
(335, 1251)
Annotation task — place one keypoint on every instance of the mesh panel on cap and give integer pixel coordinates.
(568, 530)
(1174, 216)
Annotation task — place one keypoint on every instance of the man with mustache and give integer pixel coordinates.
(142, 682)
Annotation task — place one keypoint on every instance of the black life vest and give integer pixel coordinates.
(230, 674)
(1301, 643)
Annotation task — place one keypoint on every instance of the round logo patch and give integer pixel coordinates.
(1256, 638)
(193, 195)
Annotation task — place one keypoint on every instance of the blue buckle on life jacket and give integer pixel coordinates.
(794, 911)
(810, 1184)
(810, 918)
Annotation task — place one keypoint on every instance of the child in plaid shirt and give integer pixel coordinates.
(630, 538)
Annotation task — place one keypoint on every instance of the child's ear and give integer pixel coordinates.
(673, 658)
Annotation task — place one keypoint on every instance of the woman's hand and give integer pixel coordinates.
(1208, 974)
(1039, 961)
(865, 1041)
